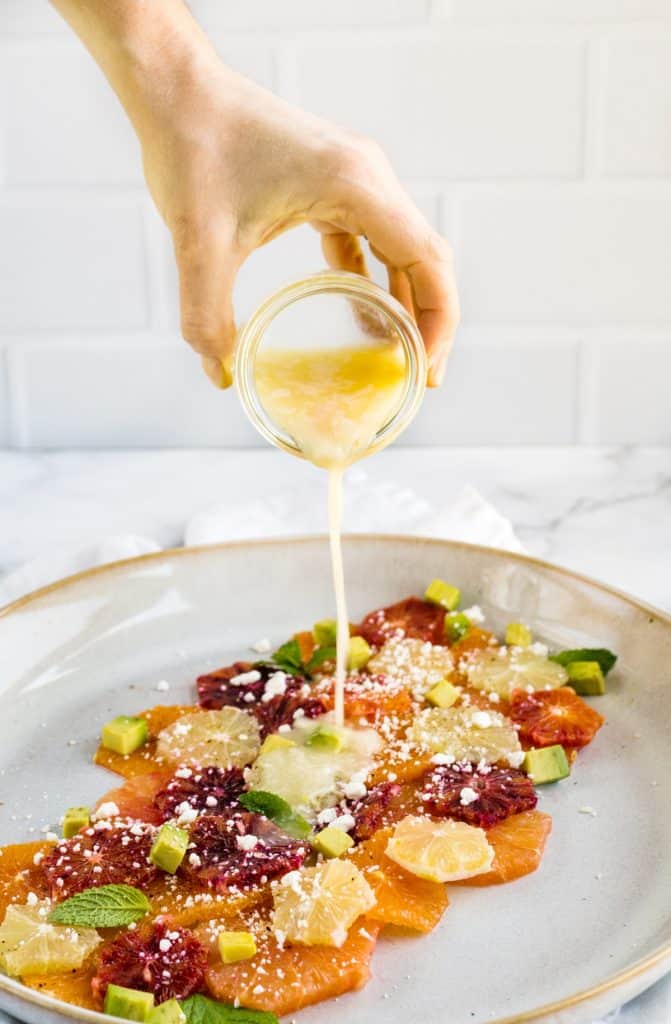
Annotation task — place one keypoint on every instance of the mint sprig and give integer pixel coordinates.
(288, 657)
(278, 810)
(201, 1010)
(321, 655)
(604, 657)
(107, 906)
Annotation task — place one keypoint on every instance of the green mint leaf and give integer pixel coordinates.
(605, 658)
(288, 657)
(321, 655)
(278, 810)
(107, 906)
(201, 1010)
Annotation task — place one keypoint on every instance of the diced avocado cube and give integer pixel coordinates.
(169, 1012)
(456, 625)
(332, 842)
(586, 678)
(324, 632)
(74, 819)
(359, 653)
(129, 1003)
(440, 592)
(168, 849)
(326, 737)
(518, 635)
(275, 742)
(124, 734)
(443, 694)
(546, 764)
(234, 946)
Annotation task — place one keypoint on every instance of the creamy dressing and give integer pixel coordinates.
(332, 402)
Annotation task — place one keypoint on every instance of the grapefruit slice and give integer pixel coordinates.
(135, 798)
(295, 976)
(144, 759)
(402, 898)
(518, 845)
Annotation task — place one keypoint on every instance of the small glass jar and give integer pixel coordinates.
(331, 310)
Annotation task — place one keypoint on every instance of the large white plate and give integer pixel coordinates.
(590, 929)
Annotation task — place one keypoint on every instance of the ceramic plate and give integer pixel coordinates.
(589, 930)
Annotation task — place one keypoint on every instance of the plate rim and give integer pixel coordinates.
(638, 969)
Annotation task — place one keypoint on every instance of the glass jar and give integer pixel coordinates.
(332, 315)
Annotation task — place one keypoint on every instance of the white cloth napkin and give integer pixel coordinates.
(386, 507)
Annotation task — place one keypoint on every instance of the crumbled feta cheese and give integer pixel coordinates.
(187, 813)
(107, 810)
(538, 648)
(328, 815)
(246, 842)
(164, 945)
(588, 810)
(244, 678)
(354, 790)
(163, 685)
(468, 795)
(211, 801)
(275, 686)
(345, 822)
(482, 719)
(475, 615)
(262, 646)
(31, 899)
(194, 860)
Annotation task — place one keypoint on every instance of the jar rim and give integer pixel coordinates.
(338, 282)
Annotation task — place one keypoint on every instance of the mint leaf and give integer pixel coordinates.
(288, 657)
(201, 1010)
(107, 906)
(605, 658)
(321, 655)
(278, 810)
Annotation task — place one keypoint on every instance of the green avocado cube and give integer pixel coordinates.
(443, 694)
(74, 819)
(324, 632)
(546, 764)
(236, 946)
(129, 1003)
(169, 847)
(125, 734)
(518, 635)
(440, 592)
(456, 625)
(332, 842)
(169, 1012)
(359, 653)
(326, 737)
(586, 678)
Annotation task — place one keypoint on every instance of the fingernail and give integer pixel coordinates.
(218, 373)
(437, 372)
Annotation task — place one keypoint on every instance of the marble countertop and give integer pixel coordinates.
(603, 512)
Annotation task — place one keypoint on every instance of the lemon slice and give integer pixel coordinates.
(441, 851)
(467, 734)
(512, 668)
(310, 777)
(228, 738)
(416, 664)
(30, 945)
(317, 906)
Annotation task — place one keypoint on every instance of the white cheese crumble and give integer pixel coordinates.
(467, 796)
(262, 646)
(244, 678)
(482, 719)
(353, 790)
(475, 614)
(275, 686)
(246, 842)
(163, 685)
(107, 810)
(345, 822)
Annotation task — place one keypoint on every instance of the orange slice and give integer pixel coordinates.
(143, 760)
(440, 851)
(401, 898)
(19, 874)
(518, 845)
(295, 976)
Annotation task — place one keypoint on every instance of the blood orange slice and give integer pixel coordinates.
(103, 854)
(554, 716)
(295, 976)
(518, 845)
(402, 898)
(411, 617)
(162, 959)
(135, 799)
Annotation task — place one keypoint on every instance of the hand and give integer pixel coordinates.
(230, 167)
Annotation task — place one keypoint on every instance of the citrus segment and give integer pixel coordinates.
(511, 668)
(416, 664)
(226, 738)
(135, 798)
(555, 717)
(401, 898)
(317, 906)
(444, 851)
(73, 987)
(467, 734)
(20, 872)
(412, 617)
(144, 759)
(518, 845)
(30, 945)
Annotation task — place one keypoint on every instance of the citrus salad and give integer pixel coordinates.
(256, 850)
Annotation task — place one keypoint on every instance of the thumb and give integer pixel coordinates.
(208, 262)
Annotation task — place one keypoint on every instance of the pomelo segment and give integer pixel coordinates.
(317, 906)
(518, 844)
(401, 898)
(295, 976)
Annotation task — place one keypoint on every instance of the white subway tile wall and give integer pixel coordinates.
(535, 134)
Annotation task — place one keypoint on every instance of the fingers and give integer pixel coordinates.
(342, 251)
(208, 262)
(399, 286)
